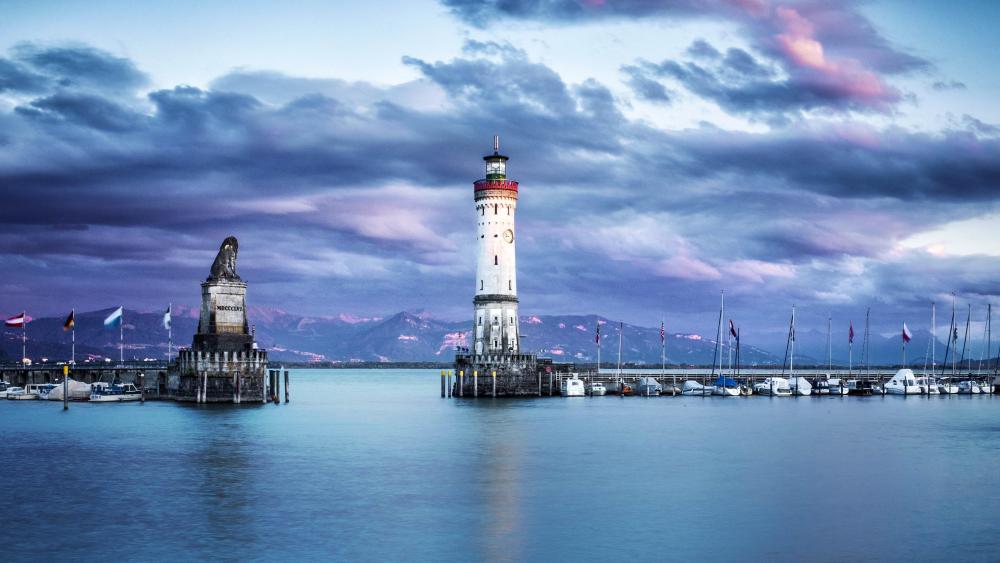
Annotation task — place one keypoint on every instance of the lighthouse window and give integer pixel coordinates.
(496, 208)
(480, 284)
(482, 210)
(512, 320)
(480, 321)
(496, 260)
(510, 285)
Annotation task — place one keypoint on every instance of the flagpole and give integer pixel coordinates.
(24, 337)
(72, 358)
(121, 337)
(170, 326)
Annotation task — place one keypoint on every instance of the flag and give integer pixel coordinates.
(597, 338)
(663, 334)
(114, 320)
(906, 333)
(166, 317)
(850, 334)
(17, 320)
(955, 335)
(732, 328)
(70, 320)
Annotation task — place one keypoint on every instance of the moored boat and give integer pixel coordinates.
(694, 388)
(903, 383)
(572, 387)
(726, 387)
(17, 393)
(596, 389)
(78, 391)
(774, 387)
(647, 387)
(114, 393)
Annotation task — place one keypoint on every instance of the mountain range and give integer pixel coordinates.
(418, 337)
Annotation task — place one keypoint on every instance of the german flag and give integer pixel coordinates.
(70, 320)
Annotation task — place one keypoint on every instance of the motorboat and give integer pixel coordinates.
(773, 386)
(821, 386)
(946, 386)
(862, 387)
(78, 391)
(670, 389)
(800, 386)
(694, 388)
(596, 389)
(20, 394)
(4, 386)
(647, 387)
(927, 385)
(837, 386)
(44, 390)
(969, 387)
(626, 389)
(903, 383)
(115, 393)
(726, 387)
(572, 387)
(614, 386)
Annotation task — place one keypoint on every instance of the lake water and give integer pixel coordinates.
(374, 465)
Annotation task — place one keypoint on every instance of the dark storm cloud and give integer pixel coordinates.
(80, 66)
(83, 110)
(831, 55)
(644, 87)
(741, 84)
(15, 77)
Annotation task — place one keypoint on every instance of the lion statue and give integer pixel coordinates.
(224, 267)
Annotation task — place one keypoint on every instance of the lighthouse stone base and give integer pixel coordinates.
(517, 375)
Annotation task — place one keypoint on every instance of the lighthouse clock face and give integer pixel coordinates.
(508, 236)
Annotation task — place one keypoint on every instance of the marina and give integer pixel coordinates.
(360, 452)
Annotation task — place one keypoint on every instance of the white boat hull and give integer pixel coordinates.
(726, 391)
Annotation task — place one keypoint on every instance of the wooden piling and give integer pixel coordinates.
(142, 387)
(65, 387)
(539, 384)
(475, 383)
(239, 381)
(461, 383)
(494, 384)
(550, 384)
(449, 383)
(443, 375)
(286, 387)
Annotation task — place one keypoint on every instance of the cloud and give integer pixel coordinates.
(76, 66)
(351, 197)
(817, 55)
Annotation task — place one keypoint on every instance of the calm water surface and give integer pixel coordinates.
(374, 465)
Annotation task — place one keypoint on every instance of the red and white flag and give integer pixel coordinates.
(597, 337)
(663, 334)
(732, 328)
(850, 334)
(17, 321)
(907, 336)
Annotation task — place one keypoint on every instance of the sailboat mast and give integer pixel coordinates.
(933, 337)
(829, 344)
(722, 312)
(965, 338)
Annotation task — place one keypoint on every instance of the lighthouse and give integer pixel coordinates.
(496, 324)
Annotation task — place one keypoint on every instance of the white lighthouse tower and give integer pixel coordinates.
(496, 324)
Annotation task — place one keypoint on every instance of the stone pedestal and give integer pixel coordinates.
(222, 365)
(222, 325)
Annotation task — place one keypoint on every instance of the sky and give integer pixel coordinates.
(831, 155)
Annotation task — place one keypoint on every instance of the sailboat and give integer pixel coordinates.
(723, 386)
(800, 385)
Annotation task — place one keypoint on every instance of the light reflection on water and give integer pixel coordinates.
(375, 465)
